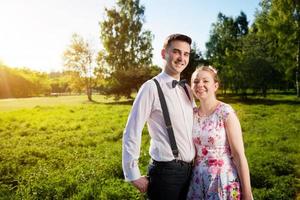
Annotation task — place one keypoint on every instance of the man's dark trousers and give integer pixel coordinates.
(169, 180)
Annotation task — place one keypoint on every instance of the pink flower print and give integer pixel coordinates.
(227, 150)
(214, 170)
(215, 162)
(204, 127)
(209, 126)
(236, 184)
(197, 140)
(212, 162)
(221, 124)
(211, 140)
(233, 189)
(227, 187)
(220, 163)
(204, 151)
(226, 115)
(198, 160)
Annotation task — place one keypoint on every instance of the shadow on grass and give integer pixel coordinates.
(263, 101)
(249, 101)
(257, 100)
(228, 98)
(127, 102)
(123, 102)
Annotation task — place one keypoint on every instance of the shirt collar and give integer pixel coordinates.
(167, 79)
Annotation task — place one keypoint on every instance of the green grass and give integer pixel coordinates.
(272, 146)
(20, 103)
(68, 148)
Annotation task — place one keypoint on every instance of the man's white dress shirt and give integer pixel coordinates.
(147, 108)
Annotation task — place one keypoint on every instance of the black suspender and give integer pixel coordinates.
(187, 92)
(167, 118)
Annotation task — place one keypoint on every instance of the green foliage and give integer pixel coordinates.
(59, 82)
(276, 23)
(196, 59)
(223, 49)
(259, 57)
(78, 58)
(22, 83)
(127, 46)
(129, 81)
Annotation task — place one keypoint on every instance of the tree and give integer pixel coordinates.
(196, 59)
(59, 82)
(258, 64)
(128, 49)
(79, 57)
(276, 23)
(224, 47)
(22, 82)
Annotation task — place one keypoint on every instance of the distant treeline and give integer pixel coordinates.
(24, 82)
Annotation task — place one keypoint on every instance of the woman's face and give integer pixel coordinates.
(203, 85)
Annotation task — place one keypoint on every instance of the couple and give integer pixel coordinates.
(205, 159)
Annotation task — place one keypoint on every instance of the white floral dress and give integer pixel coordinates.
(214, 174)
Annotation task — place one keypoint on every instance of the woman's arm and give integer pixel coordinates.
(235, 138)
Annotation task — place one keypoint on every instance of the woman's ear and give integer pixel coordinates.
(216, 86)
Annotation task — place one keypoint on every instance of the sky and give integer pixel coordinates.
(35, 33)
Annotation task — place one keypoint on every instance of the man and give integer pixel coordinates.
(168, 176)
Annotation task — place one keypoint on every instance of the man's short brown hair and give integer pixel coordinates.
(177, 36)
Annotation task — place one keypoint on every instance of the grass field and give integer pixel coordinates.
(21, 103)
(69, 148)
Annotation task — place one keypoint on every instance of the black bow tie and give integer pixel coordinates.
(181, 83)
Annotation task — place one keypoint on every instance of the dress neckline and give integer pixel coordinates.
(213, 112)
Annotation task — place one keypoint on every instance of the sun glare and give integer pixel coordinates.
(35, 33)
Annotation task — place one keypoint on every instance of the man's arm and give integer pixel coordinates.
(139, 114)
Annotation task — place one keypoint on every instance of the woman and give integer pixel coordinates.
(221, 169)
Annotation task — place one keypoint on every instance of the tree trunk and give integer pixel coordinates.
(264, 91)
(88, 89)
(89, 94)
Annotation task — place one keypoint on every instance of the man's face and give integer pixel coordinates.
(177, 57)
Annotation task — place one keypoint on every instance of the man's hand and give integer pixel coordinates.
(141, 184)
